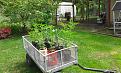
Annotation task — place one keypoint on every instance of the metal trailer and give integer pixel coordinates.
(51, 62)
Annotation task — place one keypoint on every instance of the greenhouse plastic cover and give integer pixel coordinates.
(117, 6)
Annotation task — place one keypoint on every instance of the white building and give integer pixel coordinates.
(66, 7)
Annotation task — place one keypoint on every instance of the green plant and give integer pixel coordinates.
(43, 33)
(65, 31)
(50, 36)
(27, 12)
(16, 29)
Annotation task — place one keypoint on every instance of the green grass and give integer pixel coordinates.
(94, 50)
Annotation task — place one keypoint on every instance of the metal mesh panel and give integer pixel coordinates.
(53, 60)
(39, 58)
(60, 58)
(28, 48)
(35, 55)
(68, 55)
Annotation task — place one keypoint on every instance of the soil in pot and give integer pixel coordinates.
(59, 47)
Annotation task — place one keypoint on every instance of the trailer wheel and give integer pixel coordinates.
(29, 61)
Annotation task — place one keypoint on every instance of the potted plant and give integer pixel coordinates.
(41, 37)
(46, 39)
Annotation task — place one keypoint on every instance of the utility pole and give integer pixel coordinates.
(109, 9)
(56, 17)
(88, 11)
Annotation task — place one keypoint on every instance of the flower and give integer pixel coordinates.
(5, 32)
(53, 30)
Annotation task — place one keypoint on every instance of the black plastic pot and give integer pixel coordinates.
(47, 43)
(59, 47)
(36, 44)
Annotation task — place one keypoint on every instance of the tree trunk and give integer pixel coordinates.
(24, 29)
(98, 7)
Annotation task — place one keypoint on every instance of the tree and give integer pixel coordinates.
(29, 11)
(87, 7)
(2, 4)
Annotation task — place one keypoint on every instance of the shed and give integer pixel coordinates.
(66, 7)
(117, 17)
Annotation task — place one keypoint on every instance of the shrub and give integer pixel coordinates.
(5, 32)
(16, 28)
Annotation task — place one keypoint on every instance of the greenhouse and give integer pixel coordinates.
(60, 36)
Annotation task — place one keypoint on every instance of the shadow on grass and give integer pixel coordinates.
(22, 67)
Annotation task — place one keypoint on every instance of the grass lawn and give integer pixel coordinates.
(94, 50)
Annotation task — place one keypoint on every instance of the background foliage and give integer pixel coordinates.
(28, 11)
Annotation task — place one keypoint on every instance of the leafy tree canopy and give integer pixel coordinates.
(34, 11)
